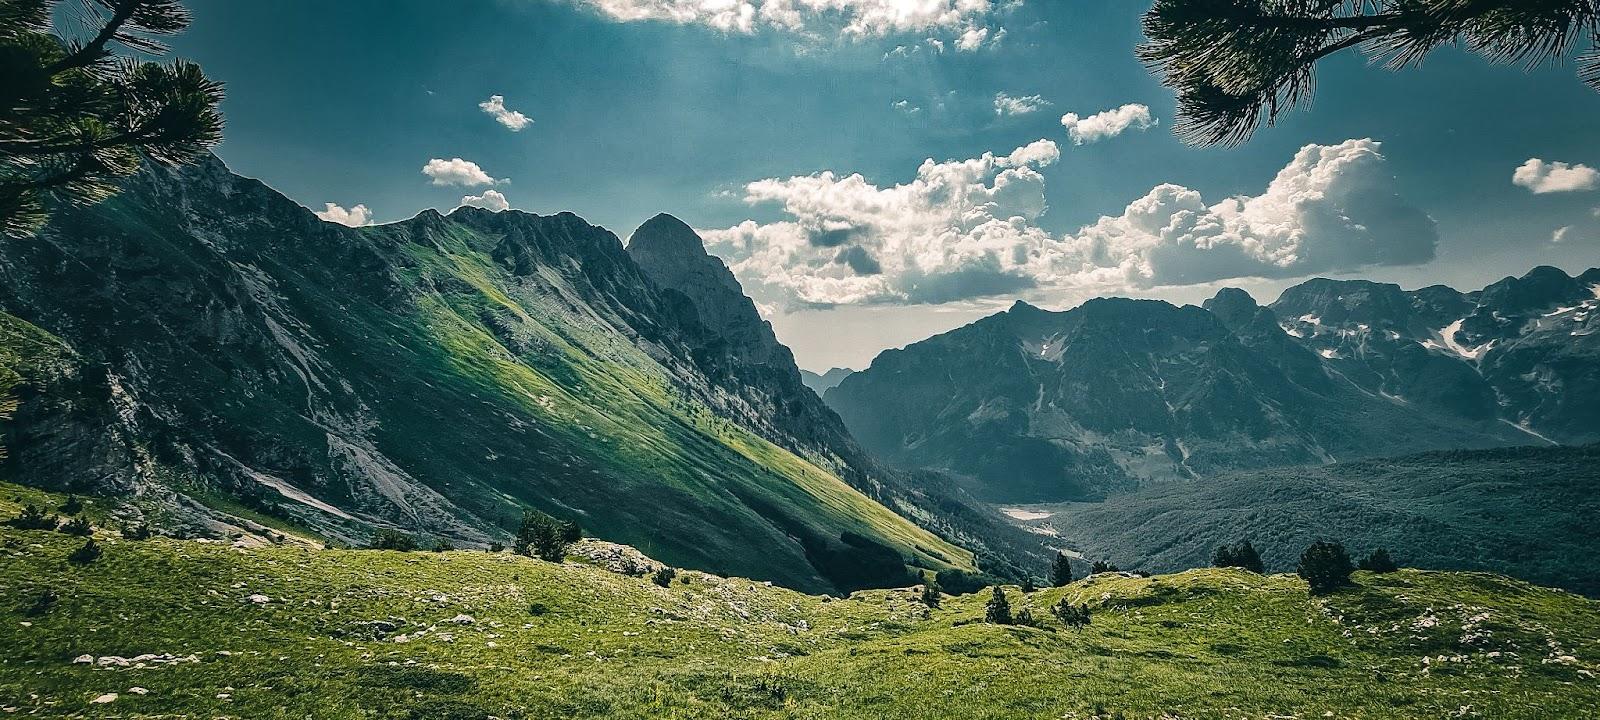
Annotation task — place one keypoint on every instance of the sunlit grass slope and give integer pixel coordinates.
(291, 632)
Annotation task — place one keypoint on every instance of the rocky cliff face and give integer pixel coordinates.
(221, 357)
(1523, 351)
(1031, 405)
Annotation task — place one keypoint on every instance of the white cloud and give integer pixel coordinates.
(1562, 234)
(514, 121)
(1108, 124)
(906, 107)
(1018, 105)
(964, 229)
(490, 200)
(1552, 177)
(972, 38)
(353, 217)
(849, 18)
(456, 171)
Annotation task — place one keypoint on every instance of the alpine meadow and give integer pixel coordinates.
(909, 359)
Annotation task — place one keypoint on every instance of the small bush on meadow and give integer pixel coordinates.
(1243, 555)
(72, 506)
(33, 518)
(78, 526)
(664, 576)
(88, 553)
(387, 539)
(1379, 562)
(140, 531)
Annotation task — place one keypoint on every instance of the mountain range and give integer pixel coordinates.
(228, 364)
(822, 383)
(1031, 405)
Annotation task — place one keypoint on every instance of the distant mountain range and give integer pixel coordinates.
(821, 384)
(213, 354)
(1034, 406)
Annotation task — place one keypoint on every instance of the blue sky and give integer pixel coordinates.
(344, 102)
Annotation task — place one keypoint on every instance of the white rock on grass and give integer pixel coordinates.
(136, 690)
(462, 619)
(258, 599)
(84, 659)
(106, 698)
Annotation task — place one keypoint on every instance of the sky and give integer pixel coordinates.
(877, 171)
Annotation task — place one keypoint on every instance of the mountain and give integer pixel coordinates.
(1526, 512)
(1030, 405)
(1523, 351)
(220, 359)
(175, 628)
(821, 384)
(757, 382)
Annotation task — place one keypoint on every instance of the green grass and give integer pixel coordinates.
(571, 640)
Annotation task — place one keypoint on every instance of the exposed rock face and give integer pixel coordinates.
(208, 349)
(1031, 405)
(1524, 351)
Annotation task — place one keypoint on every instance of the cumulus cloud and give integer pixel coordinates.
(456, 171)
(1552, 177)
(850, 18)
(965, 229)
(1108, 124)
(490, 200)
(353, 217)
(1018, 105)
(906, 107)
(514, 121)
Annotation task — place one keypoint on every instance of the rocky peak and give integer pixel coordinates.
(1233, 306)
(672, 255)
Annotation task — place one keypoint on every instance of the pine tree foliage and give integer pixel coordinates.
(1238, 63)
(998, 610)
(1325, 566)
(76, 117)
(1060, 571)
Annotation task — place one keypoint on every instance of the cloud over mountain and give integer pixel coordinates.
(848, 18)
(1552, 177)
(1108, 124)
(514, 121)
(352, 217)
(490, 200)
(456, 171)
(964, 229)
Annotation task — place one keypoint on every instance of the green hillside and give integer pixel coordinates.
(165, 628)
(1526, 512)
(236, 363)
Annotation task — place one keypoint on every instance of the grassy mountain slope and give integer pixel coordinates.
(236, 354)
(1527, 512)
(291, 631)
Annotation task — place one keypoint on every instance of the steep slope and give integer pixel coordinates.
(1030, 405)
(758, 382)
(235, 357)
(1526, 512)
(1524, 351)
(204, 630)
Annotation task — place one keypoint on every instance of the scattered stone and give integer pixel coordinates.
(83, 660)
(462, 619)
(136, 690)
(258, 599)
(106, 698)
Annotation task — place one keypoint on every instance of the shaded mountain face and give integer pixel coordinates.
(1523, 351)
(1031, 406)
(215, 354)
(821, 384)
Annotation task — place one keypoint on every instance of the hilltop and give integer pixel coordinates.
(163, 627)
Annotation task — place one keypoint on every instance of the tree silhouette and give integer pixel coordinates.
(1325, 566)
(76, 118)
(1060, 570)
(1237, 63)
